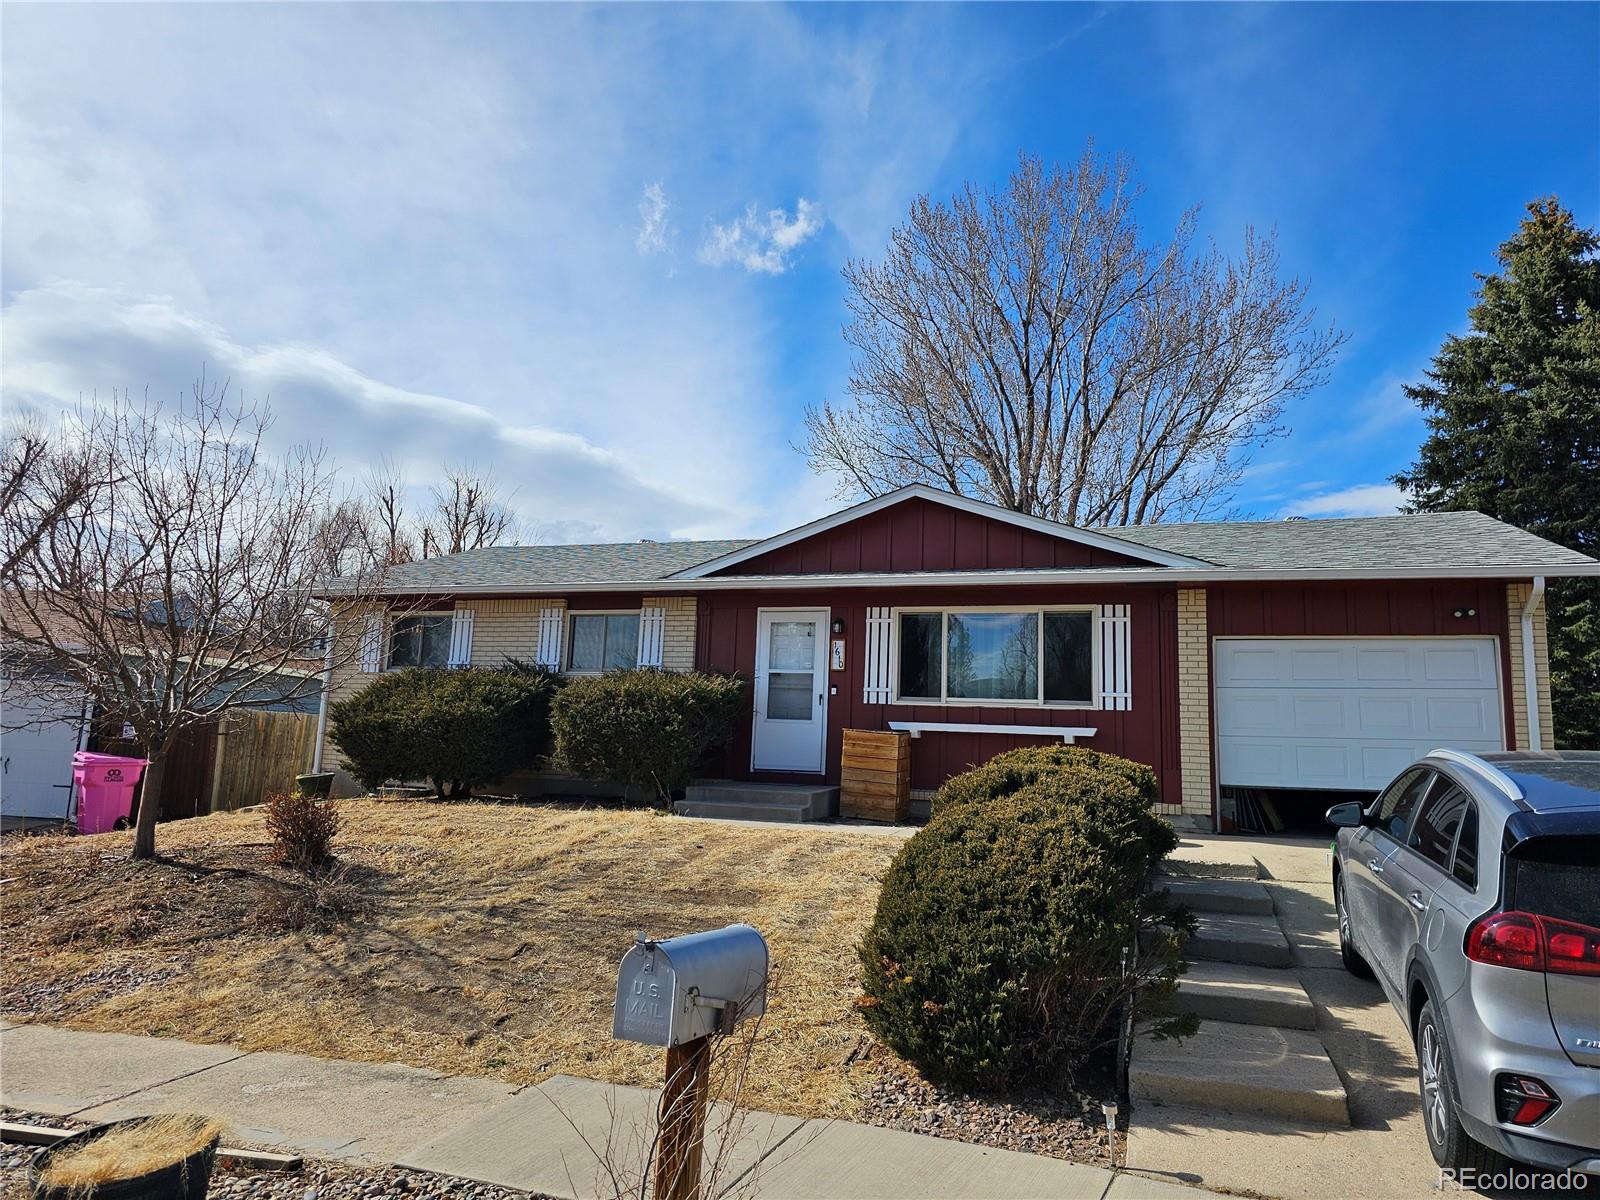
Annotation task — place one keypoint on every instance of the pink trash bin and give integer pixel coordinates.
(104, 786)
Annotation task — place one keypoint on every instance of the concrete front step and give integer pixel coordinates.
(1228, 1067)
(1245, 995)
(1218, 895)
(1239, 938)
(759, 801)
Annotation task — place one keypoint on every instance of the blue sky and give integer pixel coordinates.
(597, 249)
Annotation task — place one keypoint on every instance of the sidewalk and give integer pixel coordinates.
(542, 1138)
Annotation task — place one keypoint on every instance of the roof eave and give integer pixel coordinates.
(1064, 576)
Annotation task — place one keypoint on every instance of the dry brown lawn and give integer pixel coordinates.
(490, 947)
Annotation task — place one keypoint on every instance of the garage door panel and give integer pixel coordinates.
(1349, 713)
(1381, 666)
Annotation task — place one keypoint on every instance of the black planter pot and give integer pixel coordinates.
(317, 786)
(187, 1179)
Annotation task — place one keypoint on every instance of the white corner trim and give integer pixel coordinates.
(1530, 667)
(921, 491)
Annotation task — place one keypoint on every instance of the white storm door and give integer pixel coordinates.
(791, 718)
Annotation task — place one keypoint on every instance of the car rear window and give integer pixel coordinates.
(1558, 878)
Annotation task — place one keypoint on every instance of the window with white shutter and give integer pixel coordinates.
(1116, 677)
(652, 635)
(551, 623)
(461, 637)
(876, 687)
(372, 644)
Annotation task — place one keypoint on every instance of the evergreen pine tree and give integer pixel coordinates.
(1513, 414)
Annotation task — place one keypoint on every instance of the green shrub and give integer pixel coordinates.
(645, 729)
(1015, 769)
(458, 729)
(996, 956)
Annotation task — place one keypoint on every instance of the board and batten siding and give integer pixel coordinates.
(919, 535)
(1394, 608)
(1147, 731)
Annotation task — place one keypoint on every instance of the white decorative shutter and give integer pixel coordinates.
(551, 621)
(1116, 675)
(461, 637)
(652, 632)
(875, 658)
(372, 644)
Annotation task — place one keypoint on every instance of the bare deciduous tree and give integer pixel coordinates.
(39, 483)
(1028, 347)
(468, 511)
(182, 583)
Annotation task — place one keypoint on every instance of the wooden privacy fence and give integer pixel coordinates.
(259, 753)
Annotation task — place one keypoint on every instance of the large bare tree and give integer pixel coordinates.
(180, 584)
(468, 511)
(1029, 346)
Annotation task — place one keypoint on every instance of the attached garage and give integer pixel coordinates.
(1349, 713)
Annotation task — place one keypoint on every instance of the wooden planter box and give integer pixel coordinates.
(875, 775)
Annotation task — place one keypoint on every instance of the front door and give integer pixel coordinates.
(791, 717)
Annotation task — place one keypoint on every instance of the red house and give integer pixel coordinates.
(1236, 658)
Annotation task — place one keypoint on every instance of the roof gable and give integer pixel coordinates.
(917, 528)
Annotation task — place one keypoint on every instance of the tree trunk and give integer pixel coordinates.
(144, 829)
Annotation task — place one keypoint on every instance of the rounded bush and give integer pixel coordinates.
(646, 730)
(1015, 769)
(457, 728)
(996, 956)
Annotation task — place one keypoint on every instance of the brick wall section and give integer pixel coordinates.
(1194, 703)
(1516, 596)
(505, 629)
(677, 645)
(347, 678)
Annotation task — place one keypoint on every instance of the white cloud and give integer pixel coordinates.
(1360, 500)
(762, 245)
(653, 231)
(66, 343)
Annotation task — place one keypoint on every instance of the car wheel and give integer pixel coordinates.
(1452, 1148)
(1353, 962)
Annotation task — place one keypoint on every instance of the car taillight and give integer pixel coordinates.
(1529, 942)
(1523, 1100)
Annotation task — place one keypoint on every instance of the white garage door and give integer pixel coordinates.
(1349, 712)
(35, 761)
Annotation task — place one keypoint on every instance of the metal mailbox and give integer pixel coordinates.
(679, 989)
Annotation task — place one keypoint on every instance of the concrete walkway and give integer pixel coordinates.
(1385, 1154)
(550, 1138)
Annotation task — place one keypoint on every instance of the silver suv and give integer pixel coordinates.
(1471, 889)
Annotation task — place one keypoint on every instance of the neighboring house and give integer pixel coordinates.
(1317, 655)
(43, 724)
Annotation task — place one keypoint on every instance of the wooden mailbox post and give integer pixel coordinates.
(682, 993)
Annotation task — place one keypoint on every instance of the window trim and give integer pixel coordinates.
(567, 637)
(944, 700)
(394, 619)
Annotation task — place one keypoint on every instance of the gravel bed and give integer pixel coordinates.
(1061, 1125)
(45, 1000)
(317, 1180)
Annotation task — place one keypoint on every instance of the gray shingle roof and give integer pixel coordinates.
(511, 566)
(1415, 540)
